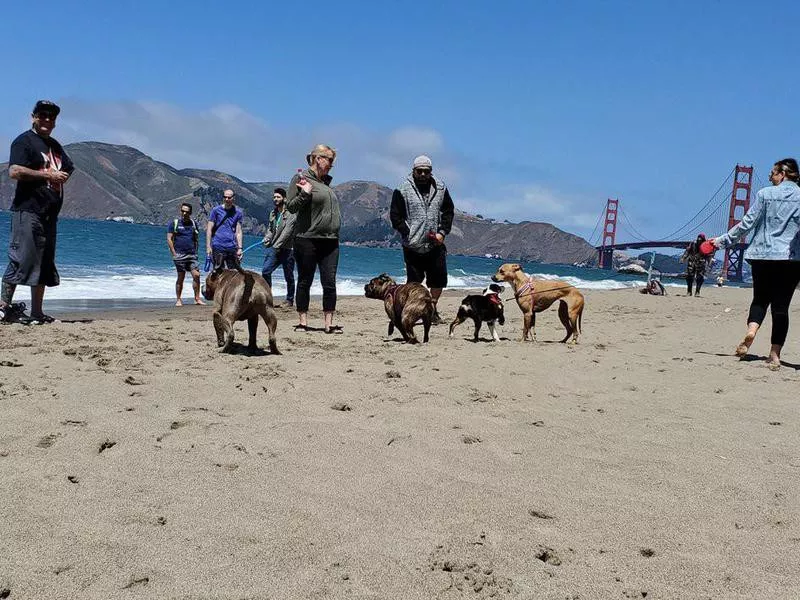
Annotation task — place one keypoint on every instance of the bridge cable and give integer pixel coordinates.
(689, 222)
(630, 224)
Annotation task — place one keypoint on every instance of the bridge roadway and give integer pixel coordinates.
(639, 245)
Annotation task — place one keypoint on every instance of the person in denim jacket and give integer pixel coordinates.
(773, 223)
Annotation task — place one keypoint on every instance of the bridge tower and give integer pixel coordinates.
(609, 234)
(740, 199)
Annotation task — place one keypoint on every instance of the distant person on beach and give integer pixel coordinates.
(40, 167)
(224, 233)
(183, 239)
(773, 254)
(316, 241)
(654, 287)
(279, 244)
(696, 265)
(422, 212)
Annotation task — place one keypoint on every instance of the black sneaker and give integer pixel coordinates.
(15, 313)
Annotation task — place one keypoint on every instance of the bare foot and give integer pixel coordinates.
(743, 348)
(199, 301)
(179, 303)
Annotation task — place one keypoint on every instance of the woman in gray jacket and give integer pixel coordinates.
(316, 242)
(773, 254)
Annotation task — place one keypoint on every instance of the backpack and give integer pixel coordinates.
(195, 232)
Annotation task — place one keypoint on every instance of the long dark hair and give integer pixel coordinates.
(788, 166)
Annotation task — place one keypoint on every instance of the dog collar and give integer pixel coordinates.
(495, 299)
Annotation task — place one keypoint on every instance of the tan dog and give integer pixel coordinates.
(537, 295)
(405, 304)
(240, 295)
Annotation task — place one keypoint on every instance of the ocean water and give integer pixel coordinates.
(106, 260)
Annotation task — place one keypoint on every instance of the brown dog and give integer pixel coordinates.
(537, 295)
(240, 295)
(405, 304)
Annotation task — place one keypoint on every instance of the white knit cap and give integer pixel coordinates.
(423, 161)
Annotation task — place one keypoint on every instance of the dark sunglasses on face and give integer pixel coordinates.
(422, 171)
(228, 197)
(47, 116)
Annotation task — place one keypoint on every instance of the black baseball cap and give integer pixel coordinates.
(45, 106)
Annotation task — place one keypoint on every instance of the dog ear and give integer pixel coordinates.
(516, 267)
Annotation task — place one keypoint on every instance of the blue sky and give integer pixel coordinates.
(530, 110)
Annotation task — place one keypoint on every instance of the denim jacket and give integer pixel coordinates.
(774, 220)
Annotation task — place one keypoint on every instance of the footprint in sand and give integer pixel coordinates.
(105, 446)
(136, 581)
(548, 556)
(48, 440)
(471, 439)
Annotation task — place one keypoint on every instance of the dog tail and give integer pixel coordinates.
(580, 322)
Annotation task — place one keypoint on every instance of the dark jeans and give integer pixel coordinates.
(774, 282)
(310, 253)
(690, 277)
(284, 257)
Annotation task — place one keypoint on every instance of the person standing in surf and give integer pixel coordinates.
(40, 167)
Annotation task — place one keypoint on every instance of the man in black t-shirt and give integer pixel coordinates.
(41, 167)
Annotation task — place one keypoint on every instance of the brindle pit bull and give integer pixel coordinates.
(405, 305)
(537, 295)
(240, 295)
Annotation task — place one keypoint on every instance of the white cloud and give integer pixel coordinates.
(230, 139)
(535, 202)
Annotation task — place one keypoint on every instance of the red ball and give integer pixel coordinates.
(707, 248)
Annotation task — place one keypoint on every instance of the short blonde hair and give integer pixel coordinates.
(318, 150)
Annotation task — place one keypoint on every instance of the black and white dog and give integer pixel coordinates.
(486, 307)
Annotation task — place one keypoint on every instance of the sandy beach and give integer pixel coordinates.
(646, 462)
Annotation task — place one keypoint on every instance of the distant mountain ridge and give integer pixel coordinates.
(119, 182)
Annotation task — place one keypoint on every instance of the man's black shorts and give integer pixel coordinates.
(32, 250)
(430, 266)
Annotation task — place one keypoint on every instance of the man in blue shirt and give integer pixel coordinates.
(224, 233)
(182, 239)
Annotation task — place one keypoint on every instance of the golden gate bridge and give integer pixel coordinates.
(722, 211)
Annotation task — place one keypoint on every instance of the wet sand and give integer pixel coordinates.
(647, 462)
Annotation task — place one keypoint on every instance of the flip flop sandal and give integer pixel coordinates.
(301, 327)
(334, 329)
(43, 318)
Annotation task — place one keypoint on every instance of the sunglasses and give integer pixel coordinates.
(46, 115)
(422, 171)
(228, 197)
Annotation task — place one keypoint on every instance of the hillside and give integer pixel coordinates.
(120, 182)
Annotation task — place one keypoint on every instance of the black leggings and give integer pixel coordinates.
(692, 277)
(310, 253)
(774, 282)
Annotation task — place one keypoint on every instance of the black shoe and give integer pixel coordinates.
(15, 313)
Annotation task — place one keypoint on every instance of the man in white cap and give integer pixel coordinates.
(422, 212)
